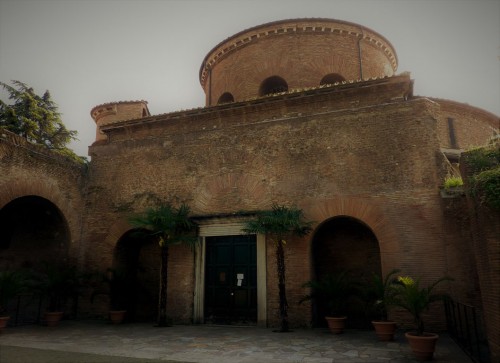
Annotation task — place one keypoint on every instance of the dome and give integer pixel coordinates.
(293, 54)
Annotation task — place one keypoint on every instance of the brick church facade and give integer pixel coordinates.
(304, 112)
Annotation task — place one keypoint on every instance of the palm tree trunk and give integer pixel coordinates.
(162, 303)
(280, 262)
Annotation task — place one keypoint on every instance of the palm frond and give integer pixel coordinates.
(172, 224)
(279, 222)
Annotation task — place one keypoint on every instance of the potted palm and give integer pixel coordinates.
(58, 282)
(334, 291)
(118, 285)
(116, 289)
(381, 295)
(416, 300)
(168, 225)
(11, 284)
(278, 224)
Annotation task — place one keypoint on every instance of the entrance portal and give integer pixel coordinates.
(231, 280)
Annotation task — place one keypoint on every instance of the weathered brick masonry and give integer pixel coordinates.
(358, 151)
(384, 151)
(485, 245)
(302, 51)
(28, 170)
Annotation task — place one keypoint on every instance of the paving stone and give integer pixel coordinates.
(223, 345)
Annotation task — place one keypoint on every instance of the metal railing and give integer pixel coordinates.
(465, 326)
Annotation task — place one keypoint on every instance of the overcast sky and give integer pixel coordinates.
(89, 52)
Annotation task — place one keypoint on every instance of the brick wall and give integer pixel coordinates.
(363, 150)
(361, 143)
(30, 170)
(467, 125)
(461, 264)
(117, 111)
(485, 223)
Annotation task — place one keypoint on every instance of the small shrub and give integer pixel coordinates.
(481, 159)
(486, 187)
(485, 181)
(452, 182)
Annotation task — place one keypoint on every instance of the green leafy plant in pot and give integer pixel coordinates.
(58, 282)
(12, 283)
(117, 287)
(334, 291)
(381, 294)
(416, 300)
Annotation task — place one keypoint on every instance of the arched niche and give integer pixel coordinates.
(136, 257)
(271, 85)
(226, 97)
(345, 243)
(32, 230)
(332, 78)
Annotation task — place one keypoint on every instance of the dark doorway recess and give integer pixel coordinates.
(345, 243)
(231, 280)
(32, 229)
(137, 257)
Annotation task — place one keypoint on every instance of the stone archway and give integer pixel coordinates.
(369, 215)
(32, 230)
(136, 257)
(365, 210)
(69, 208)
(347, 244)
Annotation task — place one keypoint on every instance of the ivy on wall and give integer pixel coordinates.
(484, 184)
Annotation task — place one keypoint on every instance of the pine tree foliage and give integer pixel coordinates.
(36, 118)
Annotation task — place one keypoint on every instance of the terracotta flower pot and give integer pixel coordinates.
(385, 330)
(117, 316)
(422, 346)
(53, 318)
(336, 324)
(3, 322)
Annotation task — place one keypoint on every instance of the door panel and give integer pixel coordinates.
(231, 280)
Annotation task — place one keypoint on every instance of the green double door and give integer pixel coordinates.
(231, 280)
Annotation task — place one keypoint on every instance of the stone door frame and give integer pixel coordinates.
(227, 226)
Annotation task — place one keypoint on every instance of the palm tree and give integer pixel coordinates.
(278, 223)
(382, 291)
(415, 299)
(169, 225)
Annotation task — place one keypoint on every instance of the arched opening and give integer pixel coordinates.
(345, 244)
(331, 78)
(272, 85)
(226, 97)
(32, 230)
(136, 258)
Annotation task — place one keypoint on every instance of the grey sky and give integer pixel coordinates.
(89, 52)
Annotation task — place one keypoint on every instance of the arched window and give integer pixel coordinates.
(331, 79)
(225, 98)
(272, 85)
